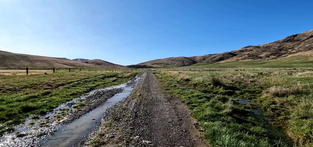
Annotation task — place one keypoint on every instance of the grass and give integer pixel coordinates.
(279, 110)
(278, 91)
(80, 104)
(22, 95)
(23, 72)
(292, 62)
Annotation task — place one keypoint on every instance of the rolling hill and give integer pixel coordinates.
(13, 60)
(297, 45)
(80, 59)
(173, 61)
(297, 48)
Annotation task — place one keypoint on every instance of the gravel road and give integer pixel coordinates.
(149, 117)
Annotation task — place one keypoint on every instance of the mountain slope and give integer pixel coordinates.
(292, 46)
(79, 59)
(102, 63)
(13, 60)
(173, 61)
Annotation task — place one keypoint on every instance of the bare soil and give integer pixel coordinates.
(149, 117)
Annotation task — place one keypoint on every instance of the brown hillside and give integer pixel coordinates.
(294, 45)
(102, 63)
(172, 61)
(291, 46)
(13, 60)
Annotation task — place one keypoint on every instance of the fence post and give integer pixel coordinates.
(26, 71)
(69, 70)
(53, 70)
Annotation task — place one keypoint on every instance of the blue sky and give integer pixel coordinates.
(133, 31)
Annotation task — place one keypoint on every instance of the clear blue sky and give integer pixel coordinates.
(133, 31)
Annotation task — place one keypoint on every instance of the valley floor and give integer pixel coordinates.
(168, 107)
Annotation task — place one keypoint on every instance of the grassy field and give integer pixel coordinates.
(234, 106)
(23, 72)
(293, 62)
(37, 94)
(247, 107)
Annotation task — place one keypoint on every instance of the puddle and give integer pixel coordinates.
(46, 131)
(258, 112)
(78, 130)
(244, 102)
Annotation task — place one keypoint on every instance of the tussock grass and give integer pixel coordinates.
(274, 80)
(216, 81)
(278, 91)
(213, 102)
(279, 113)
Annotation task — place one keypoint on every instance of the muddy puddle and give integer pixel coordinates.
(68, 125)
(244, 102)
(257, 112)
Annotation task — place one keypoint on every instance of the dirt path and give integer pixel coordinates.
(149, 118)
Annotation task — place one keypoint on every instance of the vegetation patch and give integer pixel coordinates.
(22, 96)
(291, 62)
(80, 104)
(247, 107)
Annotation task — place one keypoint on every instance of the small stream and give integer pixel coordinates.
(53, 133)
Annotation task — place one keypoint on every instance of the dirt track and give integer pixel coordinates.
(149, 117)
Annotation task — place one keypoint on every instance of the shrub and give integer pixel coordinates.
(216, 81)
(283, 92)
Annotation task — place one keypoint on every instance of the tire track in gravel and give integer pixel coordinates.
(149, 117)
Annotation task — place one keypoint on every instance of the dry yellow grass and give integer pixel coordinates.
(23, 72)
(278, 91)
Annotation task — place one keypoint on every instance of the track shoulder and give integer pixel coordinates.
(149, 117)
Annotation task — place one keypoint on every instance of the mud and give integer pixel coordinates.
(149, 117)
(33, 131)
(75, 133)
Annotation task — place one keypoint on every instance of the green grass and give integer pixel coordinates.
(22, 96)
(293, 62)
(280, 112)
(80, 104)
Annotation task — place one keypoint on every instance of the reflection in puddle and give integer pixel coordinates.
(244, 102)
(69, 134)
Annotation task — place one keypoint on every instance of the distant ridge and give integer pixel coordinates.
(14, 60)
(291, 46)
(80, 59)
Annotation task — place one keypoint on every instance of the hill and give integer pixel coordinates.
(297, 45)
(13, 60)
(102, 63)
(79, 59)
(173, 61)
